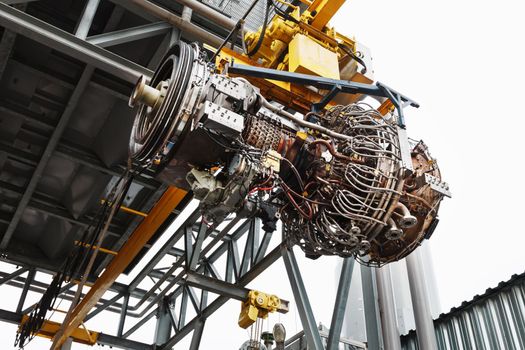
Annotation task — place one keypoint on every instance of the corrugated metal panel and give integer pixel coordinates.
(494, 320)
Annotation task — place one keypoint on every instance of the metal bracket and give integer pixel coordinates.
(399, 100)
(317, 107)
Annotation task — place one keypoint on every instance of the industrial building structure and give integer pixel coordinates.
(80, 205)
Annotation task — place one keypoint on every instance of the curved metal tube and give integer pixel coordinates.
(408, 220)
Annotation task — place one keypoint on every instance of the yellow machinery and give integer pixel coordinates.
(302, 42)
(259, 305)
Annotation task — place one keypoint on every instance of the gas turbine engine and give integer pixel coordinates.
(337, 179)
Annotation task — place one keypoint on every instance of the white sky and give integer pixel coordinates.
(463, 61)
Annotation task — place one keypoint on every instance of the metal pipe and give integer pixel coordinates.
(408, 220)
(426, 336)
(387, 309)
(209, 13)
(167, 16)
(186, 13)
(374, 337)
(102, 250)
(302, 122)
(340, 304)
(12, 275)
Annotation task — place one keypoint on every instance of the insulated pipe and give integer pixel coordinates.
(185, 26)
(186, 14)
(426, 336)
(387, 309)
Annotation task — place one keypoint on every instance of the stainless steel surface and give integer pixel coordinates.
(130, 34)
(340, 304)
(424, 325)
(387, 309)
(374, 337)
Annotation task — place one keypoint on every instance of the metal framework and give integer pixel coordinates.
(188, 282)
(204, 259)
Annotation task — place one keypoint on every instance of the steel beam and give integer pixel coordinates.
(103, 339)
(6, 45)
(349, 87)
(12, 275)
(103, 307)
(164, 322)
(163, 250)
(122, 318)
(340, 304)
(197, 335)
(118, 342)
(83, 26)
(15, 2)
(306, 314)
(209, 13)
(44, 33)
(10, 317)
(216, 286)
(46, 155)
(40, 287)
(167, 203)
(130, 34)
(139, 324)
(144, 7)
(27, 284)
(267, 261)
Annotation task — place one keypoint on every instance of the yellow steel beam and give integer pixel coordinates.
(142, 234)
(102, 250)
(324, 10)
(79, 335)
(128, 210)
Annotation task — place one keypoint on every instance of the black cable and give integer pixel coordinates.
(263, 31)
(74, 262)
(352, 55)
(283, 13)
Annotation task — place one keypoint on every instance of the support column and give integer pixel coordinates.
(426, 336)
(29, 280)
(197, 335)
(68, 344)
(86, 19)
(301, 299)
(340, 304)
(387, 309)
(123, 313)
(372, 321)
(163, 326)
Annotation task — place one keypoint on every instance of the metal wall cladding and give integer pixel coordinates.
(237, 8)
(492, 321)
